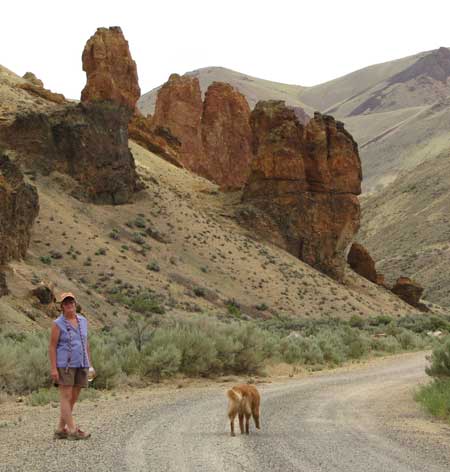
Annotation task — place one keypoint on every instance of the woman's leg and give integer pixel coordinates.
(65, 399)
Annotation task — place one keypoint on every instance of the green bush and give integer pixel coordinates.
(164, 361)
(440, 361)
(105, 361)
(435, 398)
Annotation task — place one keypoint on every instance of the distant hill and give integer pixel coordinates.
(407, 227)
(398, 111)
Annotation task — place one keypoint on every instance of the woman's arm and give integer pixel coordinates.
(54, 336)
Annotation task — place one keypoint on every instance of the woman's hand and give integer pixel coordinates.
(54, 374)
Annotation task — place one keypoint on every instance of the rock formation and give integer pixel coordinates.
(19, 207)
(156, 139)
(215, 135)
(179, 108)
(410, 292)
(44, 294)
(306, 180)
(89, 142)
(226, 136)
(110, 69)
(35, 86)
(362, 263)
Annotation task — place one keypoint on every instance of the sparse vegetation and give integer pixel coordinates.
(435, 396)
(151, 347)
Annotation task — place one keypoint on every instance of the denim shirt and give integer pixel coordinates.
(62, 348)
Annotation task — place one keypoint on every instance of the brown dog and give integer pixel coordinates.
(243, 400)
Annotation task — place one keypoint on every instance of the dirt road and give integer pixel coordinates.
(358, 419)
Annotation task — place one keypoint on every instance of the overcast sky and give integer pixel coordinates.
(291, 41)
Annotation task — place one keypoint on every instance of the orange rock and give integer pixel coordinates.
(226, 137)
(110, 69)
(215, 135)
(179, 108)
(306, 179)
(362, 263)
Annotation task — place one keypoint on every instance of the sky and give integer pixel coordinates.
(291, 41)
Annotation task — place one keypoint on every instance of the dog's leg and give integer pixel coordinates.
(255, 414)
(247, 423)
(241, 422)
(232, 416)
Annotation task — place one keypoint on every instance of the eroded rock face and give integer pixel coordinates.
(226, 136)
(410, 292)
(88, 142)
(306, 179)
(110, 69)
(19, 207)
(156, 139)
(362, 263)
(215, 135)
(179, 108)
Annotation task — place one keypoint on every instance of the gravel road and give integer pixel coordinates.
(348, 420)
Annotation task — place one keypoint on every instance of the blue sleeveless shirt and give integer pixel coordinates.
(78, 357)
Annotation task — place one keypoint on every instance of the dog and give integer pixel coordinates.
(244, 400)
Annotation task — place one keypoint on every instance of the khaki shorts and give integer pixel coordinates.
(73, 376)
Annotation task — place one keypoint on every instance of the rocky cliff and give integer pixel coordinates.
(88, 142)
(306, 180)
(19, 207)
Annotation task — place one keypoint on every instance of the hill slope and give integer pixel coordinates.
(180, 241)
(407, 227)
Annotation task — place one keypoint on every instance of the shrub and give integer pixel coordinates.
(435, 398)
(46, 260)
(164, 361)
(440, 361)
(106, 362)
(356, 321)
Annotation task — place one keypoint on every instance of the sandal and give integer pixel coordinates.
(78, 434)
(60, 434)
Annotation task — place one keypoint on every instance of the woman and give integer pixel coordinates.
(69, 361)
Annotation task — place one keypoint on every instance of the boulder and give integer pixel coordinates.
(410, 292)
(362, 263)
(110, 70)
(306, 180)
(44, 294)
(19, 207)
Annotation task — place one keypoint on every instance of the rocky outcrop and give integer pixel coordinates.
(3, 286)
(362, 263)
(88, 142)
(44, 294)
(179, 108)
(226, 137)
(306, 180)
(35, 86)
(19, 207)
(33, 79)
(156, 139)
(410, 292)
(110, 69)
(215, 135)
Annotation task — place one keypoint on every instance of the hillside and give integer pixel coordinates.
(177, 237)
(407, 227)
(397, 111)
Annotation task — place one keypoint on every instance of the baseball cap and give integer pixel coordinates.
(65, 295)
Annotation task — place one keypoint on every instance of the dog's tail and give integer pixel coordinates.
(234, 395)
